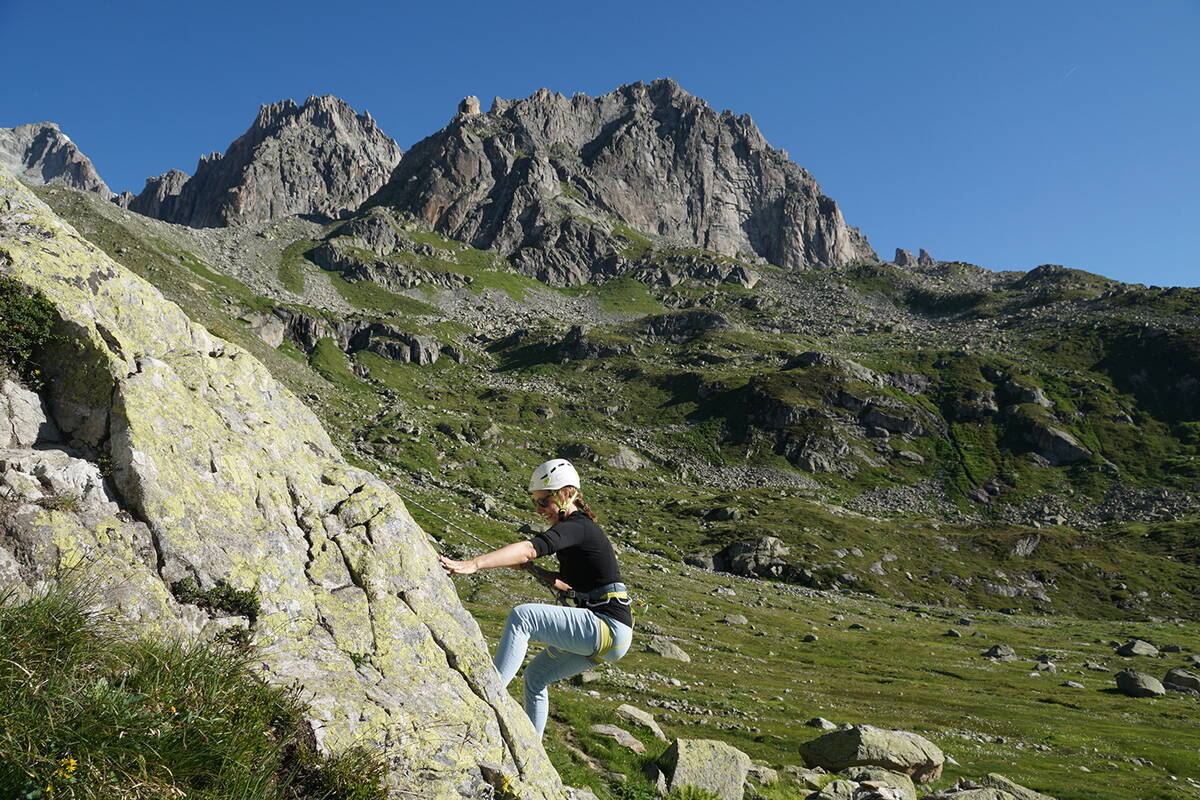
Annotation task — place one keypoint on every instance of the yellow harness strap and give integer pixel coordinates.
(606, 642)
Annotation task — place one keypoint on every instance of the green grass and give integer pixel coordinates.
(621, 296)
(369, 296)
(89, 713)
(329, 360)
(293, 264)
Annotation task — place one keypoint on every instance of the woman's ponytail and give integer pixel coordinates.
(575, 496)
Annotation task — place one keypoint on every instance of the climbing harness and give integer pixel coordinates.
(598, 597)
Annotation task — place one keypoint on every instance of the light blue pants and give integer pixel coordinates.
(573, 635)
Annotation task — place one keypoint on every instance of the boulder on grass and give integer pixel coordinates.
(664, 647)
(1139, 684)
(868, 746)
(706, 764)
(1137, 647)
(1184, 678)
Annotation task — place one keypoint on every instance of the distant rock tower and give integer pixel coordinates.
(926, 260)
(469, 105)
(905, 259)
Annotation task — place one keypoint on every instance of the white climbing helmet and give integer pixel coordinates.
(554, 474)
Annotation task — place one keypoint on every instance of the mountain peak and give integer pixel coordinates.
(40, 154)
(648, 156)
(320, 158)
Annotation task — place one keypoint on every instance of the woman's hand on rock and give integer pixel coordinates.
(458, 567)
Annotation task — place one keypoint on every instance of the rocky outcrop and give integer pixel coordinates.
(158, 197)
(218, 473)
(534, 177)
(41, 154)
(321, 158)
(352, 335)
(865, 745)
(683, 326)
(759, 558)
(1053, 444)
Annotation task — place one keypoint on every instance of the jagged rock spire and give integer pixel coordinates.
(321, 158)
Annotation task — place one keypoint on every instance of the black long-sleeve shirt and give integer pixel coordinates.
(585, 559)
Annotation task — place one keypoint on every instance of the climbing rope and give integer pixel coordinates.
(560, 597)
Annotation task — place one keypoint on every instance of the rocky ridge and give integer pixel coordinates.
(551, 180)
(319, 159)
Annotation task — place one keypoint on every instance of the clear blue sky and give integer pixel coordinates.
(1009, 134)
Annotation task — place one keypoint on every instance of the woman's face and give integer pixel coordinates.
(545, 505)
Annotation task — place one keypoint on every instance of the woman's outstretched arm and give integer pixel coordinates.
(511, 555)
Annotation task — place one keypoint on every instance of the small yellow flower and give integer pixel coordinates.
(172, 709)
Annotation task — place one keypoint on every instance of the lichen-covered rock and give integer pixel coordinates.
(706, 764)
(877, 777)
(994, 780)
(219, 473)
(866, 745)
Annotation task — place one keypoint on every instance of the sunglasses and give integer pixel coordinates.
(543, 502)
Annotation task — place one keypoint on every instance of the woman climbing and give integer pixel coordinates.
(599, 629)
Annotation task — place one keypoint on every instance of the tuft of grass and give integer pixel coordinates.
(90, 714)
(61, 502)
(220, 597)
(27, 318)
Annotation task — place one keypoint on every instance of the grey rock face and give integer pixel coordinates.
(652, 157)
(158, 197)
(23, 418)
(762, 558)
(321, 158)
(41, 154)
(904, 258)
